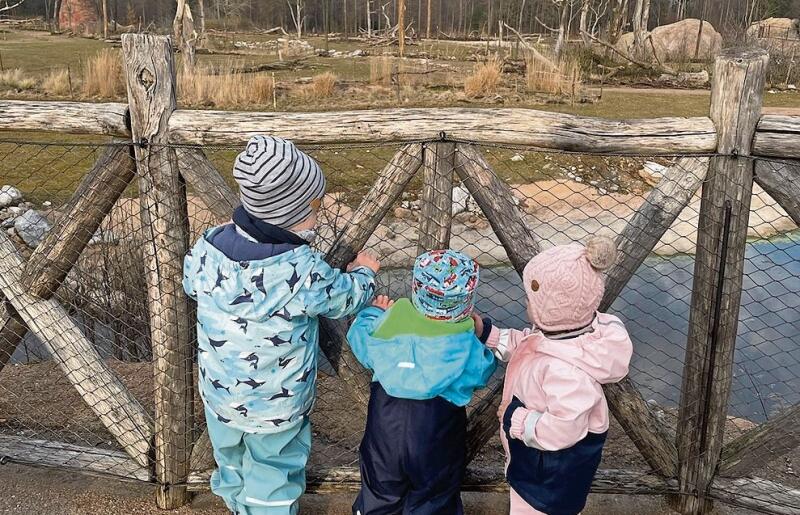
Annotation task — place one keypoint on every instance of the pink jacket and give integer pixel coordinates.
(560, 381)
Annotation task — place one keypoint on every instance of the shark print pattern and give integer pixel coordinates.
(258, 330)
(252, 358)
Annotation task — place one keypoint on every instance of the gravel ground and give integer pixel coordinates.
(37, 491)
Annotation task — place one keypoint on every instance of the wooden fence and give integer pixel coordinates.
(695, 464)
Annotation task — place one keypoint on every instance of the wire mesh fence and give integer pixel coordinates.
(74, 225)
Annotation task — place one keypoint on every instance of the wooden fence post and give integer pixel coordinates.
(437, 196)
(150, 72)
(736, 98)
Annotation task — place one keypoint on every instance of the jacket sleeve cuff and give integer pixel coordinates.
(363, 270)
(498, 341)
(517, 428)
(487, 330)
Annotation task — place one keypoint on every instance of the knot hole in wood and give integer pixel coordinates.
(147, 79)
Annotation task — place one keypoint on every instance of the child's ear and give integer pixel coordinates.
(316, 204)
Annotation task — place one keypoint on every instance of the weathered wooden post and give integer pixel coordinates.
(150, 72)
(736, 98)
(437, 196)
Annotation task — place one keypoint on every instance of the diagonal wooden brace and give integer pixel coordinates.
(387, 189)
(104, 393)
(52, 260)
(495, 199)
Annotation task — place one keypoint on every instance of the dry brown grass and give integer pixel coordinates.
(102, 75)
(541, 78)
(16, 79)
(204, 86)
(380, 70)
(485, 79)
(57, 83)
(321, 86)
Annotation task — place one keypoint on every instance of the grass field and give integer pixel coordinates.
(50, 166)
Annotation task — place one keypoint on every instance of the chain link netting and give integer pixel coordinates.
(73, 220)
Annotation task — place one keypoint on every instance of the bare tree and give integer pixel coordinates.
(401, 26)
(12, 6)
(584, 22)
(369, 18)
(105, 19)
(641, 18)
(201, 18)
(298, 18)
(183, 29)
(428, 30)
(562, 26)
(618, 20)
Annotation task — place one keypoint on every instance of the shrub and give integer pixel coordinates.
(102, 75)
(557, 81)
(321, 86)
(16, 79)
(224, 87)
(485, 79)
(57, 83)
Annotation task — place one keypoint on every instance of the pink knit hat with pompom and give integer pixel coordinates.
(565, 284)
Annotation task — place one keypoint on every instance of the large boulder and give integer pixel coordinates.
(678, 41)
(775, 28)
(9, 196)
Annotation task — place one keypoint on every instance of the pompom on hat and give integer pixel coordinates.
(565, 284)
(443, 285)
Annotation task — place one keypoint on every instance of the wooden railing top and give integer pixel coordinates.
(776, 135)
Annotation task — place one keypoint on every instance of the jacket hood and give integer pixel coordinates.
(253, 290)
(604, 353)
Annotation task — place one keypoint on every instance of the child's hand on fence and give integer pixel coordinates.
(367, 259)
(383, 302)
(476, 317)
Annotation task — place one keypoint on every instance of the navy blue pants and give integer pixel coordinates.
(412, 456)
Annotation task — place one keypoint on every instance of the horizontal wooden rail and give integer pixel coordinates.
(503, 126)
(777, 136)
(95, 460)
(71, 117)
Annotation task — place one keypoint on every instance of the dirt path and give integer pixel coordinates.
(34, 491)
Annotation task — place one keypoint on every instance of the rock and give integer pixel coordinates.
(774, 28)
(403, 213)
(31, 227)
(463, 201)
(791, 87)
(652, 172)
(9, 196)
(47, 203)
(358, 53)
(675, 41)
(8, 222)
(15, 211)
(517, 158)
(103, 236)
(10, 231)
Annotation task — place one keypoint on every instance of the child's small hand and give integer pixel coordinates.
(478, 324)
(367, 259)
(383, 302)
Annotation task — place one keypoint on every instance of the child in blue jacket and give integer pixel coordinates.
(259, 289)
(426, 362)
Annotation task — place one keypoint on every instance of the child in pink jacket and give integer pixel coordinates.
(554, 414)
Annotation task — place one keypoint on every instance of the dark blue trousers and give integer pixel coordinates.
(412, 456)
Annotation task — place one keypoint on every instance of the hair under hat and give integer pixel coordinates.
(443, 285)
(277, 181)
(565, 284)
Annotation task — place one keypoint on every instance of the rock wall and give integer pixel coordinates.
(78, 16)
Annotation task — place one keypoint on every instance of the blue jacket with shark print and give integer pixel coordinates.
(257, 328)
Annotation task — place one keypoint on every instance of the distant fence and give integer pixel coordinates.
(98, 341)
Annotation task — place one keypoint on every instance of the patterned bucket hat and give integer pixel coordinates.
(443, 285)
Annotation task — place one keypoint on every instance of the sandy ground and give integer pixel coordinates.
(37, 491)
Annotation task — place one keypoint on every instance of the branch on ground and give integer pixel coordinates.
(660, 68)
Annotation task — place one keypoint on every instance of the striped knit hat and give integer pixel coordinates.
(277, 182)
